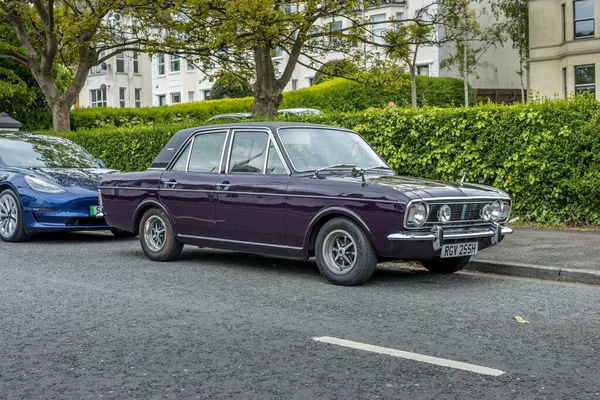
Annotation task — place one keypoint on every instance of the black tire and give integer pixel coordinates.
(364, 259)
(171, 247)
(19, 234)
(446, 265)
(122, 234)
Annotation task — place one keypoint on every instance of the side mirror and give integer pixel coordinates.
(101, 163)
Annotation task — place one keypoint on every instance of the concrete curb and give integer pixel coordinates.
(536, 271)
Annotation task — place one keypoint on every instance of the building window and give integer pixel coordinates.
(161, 63)
(310, 80)
(399, 16)
(337, 26)
(134, 27)
(136, 62)
(162, 99)
(278, 52)
(423, 70)
(175, 61)
(286, 8)
(565, 87)
(294, 84)
(121, 62)
(585, 78)
(190, 96)
(97, 69)
(122, 97)
(563, 11)
(98, 97)
(138, 98)
(206, 94)
(175, 97)
(583, 11)
(378, 27)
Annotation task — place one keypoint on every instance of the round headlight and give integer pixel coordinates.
(445, 214)
(496, 211)
(486, 212)
(417, 215)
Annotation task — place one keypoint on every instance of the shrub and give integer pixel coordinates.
(331, 69)
(334, 95)
(230, 86)
(340, 94)
(192, 113)
(546, 155)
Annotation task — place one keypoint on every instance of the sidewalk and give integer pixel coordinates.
(555, 254)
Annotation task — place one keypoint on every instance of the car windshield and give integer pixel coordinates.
(37, 151)
(313, 148)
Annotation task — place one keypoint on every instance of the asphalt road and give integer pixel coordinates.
(87, 316)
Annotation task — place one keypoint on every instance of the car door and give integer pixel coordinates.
(251, 196)
(187, 187)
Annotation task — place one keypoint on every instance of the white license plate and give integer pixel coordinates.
(95, 211)
(459, 250)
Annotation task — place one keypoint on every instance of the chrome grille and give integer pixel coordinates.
(461, 212)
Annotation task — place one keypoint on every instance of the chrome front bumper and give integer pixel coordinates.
(438, 234)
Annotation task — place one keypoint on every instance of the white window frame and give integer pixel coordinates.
(173, 94)
(160, 97)
(122, 97)
(175, 63)
(378, 27)
(138, 97)
(100, 98)
(120, 58)
(160, 60)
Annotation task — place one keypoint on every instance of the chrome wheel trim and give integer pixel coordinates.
(339, 252)
(155, 233)
(9, 215)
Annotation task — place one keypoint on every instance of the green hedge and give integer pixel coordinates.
(345, 95)
(333, 95)
(546, 156)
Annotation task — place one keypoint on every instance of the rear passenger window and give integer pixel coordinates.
(206, 152)
(248, 152)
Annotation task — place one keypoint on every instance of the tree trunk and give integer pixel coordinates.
(61, 110)
(413, 87)
(466, 72)
(521, 72)
(267, 90)
(266, 100)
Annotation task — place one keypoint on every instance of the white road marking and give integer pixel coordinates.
(410, 356)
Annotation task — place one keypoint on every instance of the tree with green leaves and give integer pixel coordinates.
(335, 68)
(230, 85)
(514, 16)
(46, 34)
(248, 36)
(403, 43)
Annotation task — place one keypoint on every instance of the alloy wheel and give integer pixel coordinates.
(339, 252)
(9, 214)
(155, 233)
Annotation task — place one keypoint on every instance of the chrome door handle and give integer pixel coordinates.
(170, 183)
(223, 185)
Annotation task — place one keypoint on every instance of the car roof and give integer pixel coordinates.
(179, 138)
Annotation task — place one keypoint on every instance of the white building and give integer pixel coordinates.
(122, 81)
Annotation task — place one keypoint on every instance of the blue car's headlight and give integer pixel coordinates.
(41, 185)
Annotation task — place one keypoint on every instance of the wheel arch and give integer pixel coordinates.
(325, 216)
(142, 208)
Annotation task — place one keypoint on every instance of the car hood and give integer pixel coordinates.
(86, 178)
(426, 188)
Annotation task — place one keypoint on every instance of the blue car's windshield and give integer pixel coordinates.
(37, 151)
(313, 148)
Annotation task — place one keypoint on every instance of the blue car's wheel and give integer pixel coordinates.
(11, 218)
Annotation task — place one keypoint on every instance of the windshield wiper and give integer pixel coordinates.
(376, 167)
(333, 166)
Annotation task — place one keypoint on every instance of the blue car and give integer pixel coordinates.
(48, 184)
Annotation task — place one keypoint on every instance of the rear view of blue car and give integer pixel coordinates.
(48, 184)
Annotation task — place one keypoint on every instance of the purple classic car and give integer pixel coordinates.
(300, 190)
